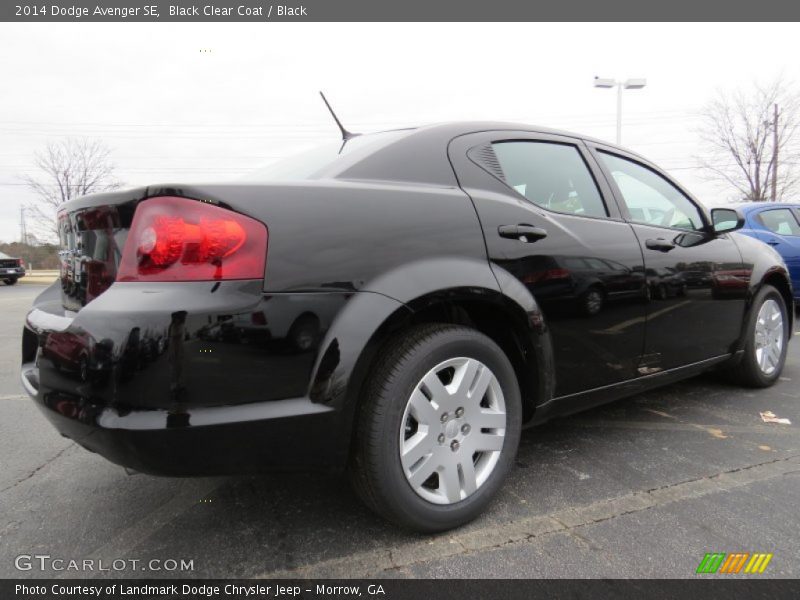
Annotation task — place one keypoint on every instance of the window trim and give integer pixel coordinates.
(581, 151)
(597, 149)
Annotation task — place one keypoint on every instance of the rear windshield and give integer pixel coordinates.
(315, 162)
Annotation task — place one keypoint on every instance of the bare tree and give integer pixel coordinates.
(70, 168)
(744, 150)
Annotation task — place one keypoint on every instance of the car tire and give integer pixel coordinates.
(767, 341)
(10, 280)
(401, 379)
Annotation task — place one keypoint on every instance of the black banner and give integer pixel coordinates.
(401, 10)
(391, 589)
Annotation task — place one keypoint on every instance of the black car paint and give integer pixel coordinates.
(665, 344)
(379, 241)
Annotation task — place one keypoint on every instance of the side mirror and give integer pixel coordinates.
(725, 220)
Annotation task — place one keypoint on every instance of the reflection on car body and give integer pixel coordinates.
(582, 284)
(299, 322)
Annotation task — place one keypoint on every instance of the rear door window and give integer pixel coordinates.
(551, 175)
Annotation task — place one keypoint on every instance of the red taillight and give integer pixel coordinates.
(20, 262)
(175, 239)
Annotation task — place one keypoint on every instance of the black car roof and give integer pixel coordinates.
(421, 156)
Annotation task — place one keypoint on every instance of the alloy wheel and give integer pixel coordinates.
(769, 337)
(452, 431)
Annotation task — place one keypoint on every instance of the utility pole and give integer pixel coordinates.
(775, 155)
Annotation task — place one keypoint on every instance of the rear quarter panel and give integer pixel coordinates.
(345, 236)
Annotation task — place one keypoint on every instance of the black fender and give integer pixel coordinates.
(371, 316)
(381, 302)
(766, 267)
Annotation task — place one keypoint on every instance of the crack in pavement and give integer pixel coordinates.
(491, 536)
(37, 469)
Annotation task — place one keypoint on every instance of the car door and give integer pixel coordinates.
(696, 280)
(550, 222)
(779, 227)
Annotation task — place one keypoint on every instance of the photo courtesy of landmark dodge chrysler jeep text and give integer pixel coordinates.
(399, 304)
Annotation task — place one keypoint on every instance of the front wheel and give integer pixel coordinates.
(438, 428)
(767, 340)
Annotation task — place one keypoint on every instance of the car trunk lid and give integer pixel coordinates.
(93, 231)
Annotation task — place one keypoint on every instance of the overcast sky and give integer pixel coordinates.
(171, 113)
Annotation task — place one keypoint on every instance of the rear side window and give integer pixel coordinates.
(551, 175)
(780, 220)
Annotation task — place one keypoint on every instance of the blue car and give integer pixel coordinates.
(777, 224)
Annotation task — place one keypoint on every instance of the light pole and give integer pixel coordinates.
(629, 84)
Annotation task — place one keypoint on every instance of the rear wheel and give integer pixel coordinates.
(438, 428)
(10, 280)
(767, 340)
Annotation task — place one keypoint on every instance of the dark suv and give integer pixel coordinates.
(455, 283)
(11, 269)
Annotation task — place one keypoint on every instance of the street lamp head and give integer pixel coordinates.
(635, 84)
(604, 82)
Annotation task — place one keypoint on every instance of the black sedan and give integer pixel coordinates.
(398, 304)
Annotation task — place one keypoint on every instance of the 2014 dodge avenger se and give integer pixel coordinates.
(399, 303)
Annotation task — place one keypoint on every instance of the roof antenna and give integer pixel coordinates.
(346, 135)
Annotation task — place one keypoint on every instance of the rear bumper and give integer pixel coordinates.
(282, 435)
(126, 380)
(12, 273)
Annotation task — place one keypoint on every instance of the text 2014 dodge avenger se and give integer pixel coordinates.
(401, 305)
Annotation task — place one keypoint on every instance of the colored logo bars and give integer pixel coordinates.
(719, 562)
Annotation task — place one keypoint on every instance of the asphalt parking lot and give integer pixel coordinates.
(643, 487)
